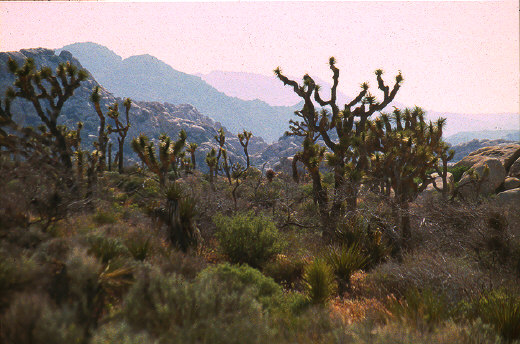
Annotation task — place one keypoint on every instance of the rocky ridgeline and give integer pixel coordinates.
(150, 118)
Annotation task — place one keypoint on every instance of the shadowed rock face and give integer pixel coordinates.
(150, 118)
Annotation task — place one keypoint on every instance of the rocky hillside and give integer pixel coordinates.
(147, 78)
(150, 118)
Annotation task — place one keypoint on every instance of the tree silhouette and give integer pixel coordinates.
(406, 149)
(169, 152)
(47, 93)
(120, 129)
(344, 133)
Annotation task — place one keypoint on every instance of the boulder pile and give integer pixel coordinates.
(492, 170)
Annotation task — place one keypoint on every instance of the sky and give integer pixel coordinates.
(455, 56)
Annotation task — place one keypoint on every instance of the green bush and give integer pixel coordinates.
(458, 172)
(15, 274)
(285, 270)
(104, 218)
(249, 239)
(175, 311)
(120, 333)
(31, 320)
(106, 248)
(239, 278)
(319, 281)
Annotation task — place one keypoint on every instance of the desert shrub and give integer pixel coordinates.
(184, 264)
(31, 320)
(345, 261)
(239, 278)
(104, 217)
(246, 238)
(421, 309)
(454, 277)
(458, 172)
(120, 333)
(15, 274)
(132, 183)
(106, 248)
(364, 233)
(369, 332)
(173, 310)
(319, 281)
(501, 310)
(285, 270)
(139, 246)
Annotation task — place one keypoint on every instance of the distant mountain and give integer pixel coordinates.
(250, 86)
(145, 77)
(150, 118)
(467, 136)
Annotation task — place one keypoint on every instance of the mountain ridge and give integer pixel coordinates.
(153, 80)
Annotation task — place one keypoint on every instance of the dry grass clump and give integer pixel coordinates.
(454, 277)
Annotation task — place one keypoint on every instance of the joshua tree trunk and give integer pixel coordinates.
(120, 155)
(109, 156)
(404, 209)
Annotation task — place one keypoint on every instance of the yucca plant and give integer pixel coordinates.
(139, 247)
(502, 311)
(106, 248)
(180, 215)
(319, 281)
(345, 261)
(167, 157)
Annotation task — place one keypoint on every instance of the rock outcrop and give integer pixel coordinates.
(506, 153)
(488, 175)
(509, 197)
(491, 170)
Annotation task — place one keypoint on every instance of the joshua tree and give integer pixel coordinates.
(191, 149)
(244, 142)
(33, 85)
(238, 171)
(109, 155)
(169, 152)
(444, 154)
(222, 152)
(95, 97)
(405, 153)
(348, 154)
(120, 129)
(211, 161)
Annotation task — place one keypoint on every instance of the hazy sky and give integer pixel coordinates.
(455, 56)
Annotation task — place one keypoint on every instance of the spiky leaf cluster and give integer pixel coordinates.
(406, 149)
(47, 92)
(168, 153)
